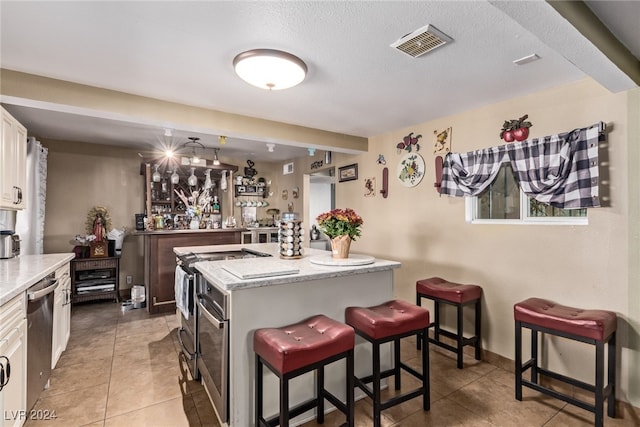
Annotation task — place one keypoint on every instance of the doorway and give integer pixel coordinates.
(322, 198)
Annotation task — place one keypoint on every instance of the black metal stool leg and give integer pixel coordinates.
(350, 390)
(611, 374)
(284, 402)
(419, 304)
(599, 386)
(258, 391)
(534, 356)
(426, 383)
(396, 363)
(518, 361)
(478, 329)
(460, 337)
(320, 395)
(376, 384)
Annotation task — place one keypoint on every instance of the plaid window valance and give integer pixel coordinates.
(559, 170)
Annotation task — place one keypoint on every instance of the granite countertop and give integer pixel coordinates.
(214, 270)
(19, 273)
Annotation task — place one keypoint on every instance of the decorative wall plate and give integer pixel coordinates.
(410, 169)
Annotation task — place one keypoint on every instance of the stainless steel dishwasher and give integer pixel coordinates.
(39, 335)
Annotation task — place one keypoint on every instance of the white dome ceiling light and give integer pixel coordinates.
(270, 69)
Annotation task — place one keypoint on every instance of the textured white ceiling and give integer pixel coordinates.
(357, 84)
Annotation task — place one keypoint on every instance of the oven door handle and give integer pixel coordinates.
(186, 351)
(210, 317)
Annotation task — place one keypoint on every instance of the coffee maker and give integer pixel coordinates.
(9, 240)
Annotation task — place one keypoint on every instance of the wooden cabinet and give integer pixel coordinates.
(13, 162)
(160, 261)
(13, 346)
(61, 314)
(94, 279)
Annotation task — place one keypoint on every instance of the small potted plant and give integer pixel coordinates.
(342, 226)
(517, 129)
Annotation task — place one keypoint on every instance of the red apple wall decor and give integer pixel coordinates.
(517, 129)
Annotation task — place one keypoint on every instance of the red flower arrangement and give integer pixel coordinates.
(340, 222)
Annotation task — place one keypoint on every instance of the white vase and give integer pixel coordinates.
(194, 224)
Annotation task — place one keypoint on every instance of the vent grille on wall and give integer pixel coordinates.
(287, 169)
(421, 41)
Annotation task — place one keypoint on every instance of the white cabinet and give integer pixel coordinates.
(61, 314)
(13, 351)
(13, 162)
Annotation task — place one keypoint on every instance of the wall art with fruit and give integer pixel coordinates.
(516, 129)
(409, 143)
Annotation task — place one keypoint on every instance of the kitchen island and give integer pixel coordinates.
(284, 299)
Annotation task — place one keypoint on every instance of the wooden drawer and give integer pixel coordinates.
(12, 313)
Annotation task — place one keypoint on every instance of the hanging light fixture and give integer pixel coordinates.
(270, 147)
(270, 69)
(193, 143)
(216, 162)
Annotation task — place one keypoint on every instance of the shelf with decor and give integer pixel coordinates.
(165, 181)
(251, 190)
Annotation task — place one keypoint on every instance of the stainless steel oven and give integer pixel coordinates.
(213, 335)
(188, 331)
(204, 333)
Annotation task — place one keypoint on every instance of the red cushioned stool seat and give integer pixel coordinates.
(389, 322)
(441, 291)
(296, 349)
(597, 327)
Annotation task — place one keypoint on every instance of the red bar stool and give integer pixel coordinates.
(442, 291)
(597, 327)
(296, 349)
(384, 323)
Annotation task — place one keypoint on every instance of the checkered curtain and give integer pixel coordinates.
(559, 170)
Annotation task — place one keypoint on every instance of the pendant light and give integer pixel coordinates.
(216, 162)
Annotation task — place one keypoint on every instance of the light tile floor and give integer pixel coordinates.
(122, 369)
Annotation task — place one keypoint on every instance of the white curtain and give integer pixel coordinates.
(30, 221)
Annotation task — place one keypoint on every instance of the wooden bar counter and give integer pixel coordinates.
(160, 260)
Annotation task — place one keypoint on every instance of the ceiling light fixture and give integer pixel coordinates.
(216, 162)
(270, 69)
(527, 59)
(312, 151)
(270, 147)
(193, 143)
(222, 139)
(167, 132)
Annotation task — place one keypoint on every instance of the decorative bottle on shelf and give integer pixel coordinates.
(216, 205)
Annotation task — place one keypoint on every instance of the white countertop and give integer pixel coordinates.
(19, 273)
(214, 270)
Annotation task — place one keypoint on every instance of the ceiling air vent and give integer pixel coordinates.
(421, 41)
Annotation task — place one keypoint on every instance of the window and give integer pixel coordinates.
(504, 202)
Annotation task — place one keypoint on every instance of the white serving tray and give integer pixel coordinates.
(250, 269)
(354, 259)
